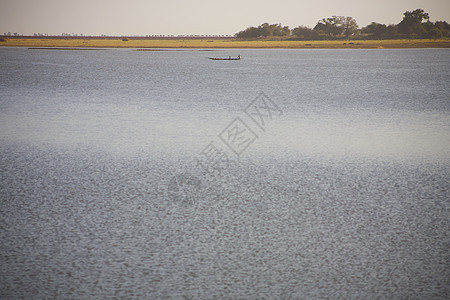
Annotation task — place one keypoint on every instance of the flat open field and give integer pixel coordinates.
(220, 43)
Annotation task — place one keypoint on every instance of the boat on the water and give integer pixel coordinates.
(229, 58)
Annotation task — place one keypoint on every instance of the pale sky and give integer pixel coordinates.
(142, 17)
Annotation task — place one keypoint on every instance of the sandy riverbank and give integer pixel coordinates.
(221, 43)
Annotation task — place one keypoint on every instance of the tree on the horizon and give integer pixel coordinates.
(328, 26)
(375, 29)
(348, 25)
(435, 33)
(304, 32)
(249, 33)
(415, 23)
(267, 30)
(337, 25)
(264, 30)
(412, 22)
(443, 27)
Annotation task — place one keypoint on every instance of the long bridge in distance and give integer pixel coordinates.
(131, 37)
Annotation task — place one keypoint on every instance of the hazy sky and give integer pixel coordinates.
(141, 17)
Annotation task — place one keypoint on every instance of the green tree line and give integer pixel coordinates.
(415, 24)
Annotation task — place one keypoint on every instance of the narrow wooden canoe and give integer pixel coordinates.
(229, 58)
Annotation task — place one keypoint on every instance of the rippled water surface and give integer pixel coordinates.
(344, 192)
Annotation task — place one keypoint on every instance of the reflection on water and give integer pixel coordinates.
(400, 135)
(344, 196)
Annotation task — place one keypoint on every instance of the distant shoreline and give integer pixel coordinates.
(217, 43)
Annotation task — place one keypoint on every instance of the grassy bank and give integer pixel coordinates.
(219, 43)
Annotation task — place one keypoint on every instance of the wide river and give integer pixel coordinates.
(302, 174)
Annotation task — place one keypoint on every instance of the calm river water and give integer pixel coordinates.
(303, 174)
